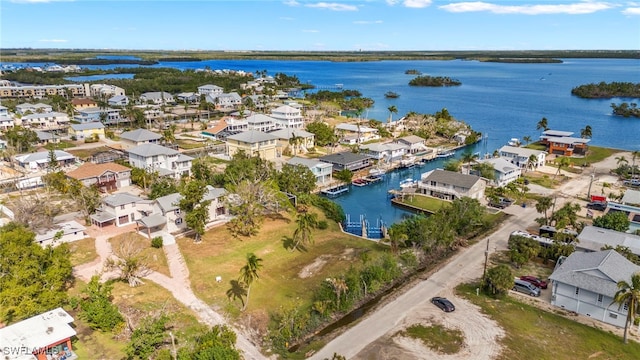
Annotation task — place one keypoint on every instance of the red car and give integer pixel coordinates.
(535, 281)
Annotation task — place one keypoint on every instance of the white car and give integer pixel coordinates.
(632, 182)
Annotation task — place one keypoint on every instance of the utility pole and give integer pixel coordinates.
(589, 191)
(486, 259)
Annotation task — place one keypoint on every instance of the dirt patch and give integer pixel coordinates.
(322, 260)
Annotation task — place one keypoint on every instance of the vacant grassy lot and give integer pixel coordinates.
(282, 280)
(427, 203)
(83, 251)
(154, 257)
(437, 337)
(534, 334)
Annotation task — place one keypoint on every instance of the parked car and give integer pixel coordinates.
(535, 281)
(632, 182)
(501, 203)
(443, 303)
(526, 287)
(597, 205)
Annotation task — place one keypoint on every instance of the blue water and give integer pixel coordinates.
(99, 77)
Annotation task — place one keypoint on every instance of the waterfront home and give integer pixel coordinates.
(46, 120)
(106, 177)
(586, 283)
(562, 143)
(26, 108)
(165, 214)
(118, 101)
(287, 117)
(63, 232)
(120, 209)
(260, 122)
(166, 161)
(87, 131)
(41, 91)
(384, 151)
(593, 238)
(352, 134)
(504, 171)
(225, 101)
(225, 127)
(106, 116)
(105, 90)
(137, 137)
(297, 140)
(45, 336)
(347, 160)
(253, 143)
(520, 156)
(83, 103)
(209, 89)
(40, 160)
(320, 169)
(157, 98)
(414, 143)
(449, 185)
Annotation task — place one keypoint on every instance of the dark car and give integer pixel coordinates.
(597, 205)
(443, 304)
(535, 281)
(501, 203)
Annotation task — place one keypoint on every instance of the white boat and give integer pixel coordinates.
(408, 160)
(514, 142)
(408, 182)
(376, 172)
(445, 154)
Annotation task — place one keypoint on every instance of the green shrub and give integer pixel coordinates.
(322, 225)
(156, 242)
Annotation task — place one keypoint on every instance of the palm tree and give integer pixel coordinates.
(586, 132)
(392, 110)
(543, 124)
(628, 295)
(468, 157)
(634, 155)
(249, 273)
(543, 205)
(339, 287)
(562, 162)
(532, 161)
(306, 222)
(396, 238)
(527, 139)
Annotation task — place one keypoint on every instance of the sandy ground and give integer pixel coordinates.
(376, 336)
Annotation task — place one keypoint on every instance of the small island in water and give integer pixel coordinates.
(434, 81)
(391, 95)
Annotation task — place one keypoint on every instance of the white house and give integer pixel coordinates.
(260, 122)
(451, 185)
(519, 156)
(40, 160)
(225, 101)
(297, 140)
(209, 89)
(118, 100)
(587, 282)
(320, 169)
(64, 232)
(137, 137)
(384, 151)
(166, 161)
(102, 90)
(356, 134)
(120, 209)
(26, 108)
(107, 116)
(414, 143)
(504, 171)
(157, 97)
(287, 117)
(47, 120)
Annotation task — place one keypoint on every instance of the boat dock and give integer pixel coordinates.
(335, 190)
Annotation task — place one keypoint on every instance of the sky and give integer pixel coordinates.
(301, 25)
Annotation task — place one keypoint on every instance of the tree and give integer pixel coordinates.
(251, 202)
(621, 159)
(53, 163)
(96, 307)
(21, 138)
(634, 155)
(526, 139)
(392, 110)
(468, 157)
(200, 170)
(324, 134)
(249, 273)
(617, 220)
(339, 287)
(163, 186)
(129, 262)
(33, 279)
(344, 175)
(396, 238)
(628, 295)
(296, 179)
(522, 249)
(217, 343)
(485, 170)
(148, 336)
(543, 205)
(543, 124)
(306, 221)
(586, 132)
(499, 279)
(561, 163)
(567, 215)
(196, 209)
(87, 198)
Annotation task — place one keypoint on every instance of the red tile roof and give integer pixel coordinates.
(89, 170)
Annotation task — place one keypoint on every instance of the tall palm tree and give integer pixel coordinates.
(249, 273)
(396, 238)
(562, 162)
(543, 205)
(628, 295)
(306, 221)
(543, 124)
(586, 132)
(392, 110)
(339, 287)
(468, 157)
(532, 161)
(634, 155)
(527, 139)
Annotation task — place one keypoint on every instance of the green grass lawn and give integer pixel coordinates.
(427, 203)
(60, 145)
(437, 337)
(534, 334)
(83, 251)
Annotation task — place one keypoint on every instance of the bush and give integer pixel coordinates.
(322, 225)
(156, 242)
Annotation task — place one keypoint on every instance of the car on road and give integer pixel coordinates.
(632, 182)
(597, 205)
(535, 281)
(443, 303)
(526, 287)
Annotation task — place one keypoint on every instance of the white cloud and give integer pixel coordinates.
(631, 11)
(417, 3)
(364, 22)
(392, 2)
(53, 40)
(585, 7)
(291, 3)
(333, 6)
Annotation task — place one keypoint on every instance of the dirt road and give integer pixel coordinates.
(376, 336)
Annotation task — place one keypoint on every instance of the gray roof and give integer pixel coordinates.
(252, 137)
(355, 128)
(147, 150)
(567, 140)
(500, 164)
(310, 163)
(380, 147)
(524, 152)
(557, 133)
(411, 139)
(288, 133)
(138, 135)
(598, 271)
(170, 202)
(121, 199)
(256, 118)
(452, 178)
(87, 126)
(594, 238)
(213, 193)
(344, 158)
(153, 220)
(631, 197)
(43, 135)
(43, 156)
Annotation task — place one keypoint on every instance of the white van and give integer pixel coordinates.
(525, 287)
